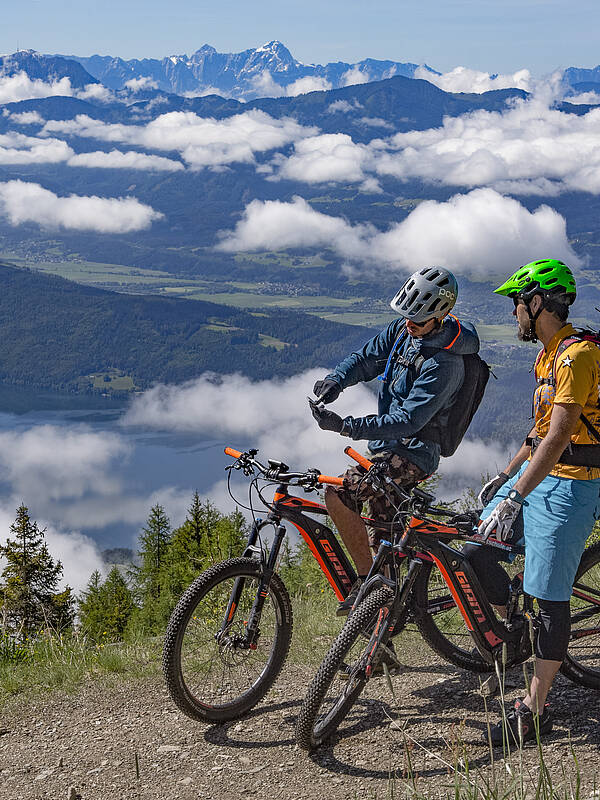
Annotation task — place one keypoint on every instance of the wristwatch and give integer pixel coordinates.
(516, 496)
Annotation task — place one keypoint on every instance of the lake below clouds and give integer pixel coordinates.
(77, 468)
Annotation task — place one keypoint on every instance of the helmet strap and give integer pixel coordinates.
(531, 336)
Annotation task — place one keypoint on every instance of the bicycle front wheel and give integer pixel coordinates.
(582, 662)
(341, 677)
(211, 671)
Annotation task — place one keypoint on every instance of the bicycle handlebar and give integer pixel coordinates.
(331, 480)
(275, 470)
(364, 462)
(229, 451)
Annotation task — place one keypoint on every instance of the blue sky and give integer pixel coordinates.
(491, 35)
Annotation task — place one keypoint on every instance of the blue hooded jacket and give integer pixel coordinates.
(407, 402)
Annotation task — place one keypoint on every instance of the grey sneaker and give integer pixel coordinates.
(345, 607)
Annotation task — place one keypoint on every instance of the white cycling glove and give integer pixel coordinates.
(491, 487)
(503, 517)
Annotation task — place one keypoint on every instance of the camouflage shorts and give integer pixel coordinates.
(359, 496)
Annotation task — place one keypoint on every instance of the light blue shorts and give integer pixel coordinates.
(557, 519)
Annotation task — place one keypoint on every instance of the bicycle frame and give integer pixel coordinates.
(323, 543)
(423, 540)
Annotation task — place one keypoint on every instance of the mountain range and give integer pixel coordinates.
(266, 71)
(252, 73)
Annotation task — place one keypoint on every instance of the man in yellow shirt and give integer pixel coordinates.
(550, 490)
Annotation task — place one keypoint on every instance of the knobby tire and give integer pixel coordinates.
(213, 682)
(312, 729)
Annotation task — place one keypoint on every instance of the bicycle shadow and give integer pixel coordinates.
(222, 733)
(367, 715)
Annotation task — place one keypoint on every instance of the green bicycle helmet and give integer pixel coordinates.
(549, 278)
(546, 277)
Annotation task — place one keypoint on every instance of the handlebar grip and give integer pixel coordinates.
(364, 462)
(231, 452)
(330, 479)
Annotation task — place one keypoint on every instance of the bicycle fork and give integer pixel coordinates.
(250, 639)
(387, 618)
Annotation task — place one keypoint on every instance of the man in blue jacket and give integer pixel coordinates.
(416, 360)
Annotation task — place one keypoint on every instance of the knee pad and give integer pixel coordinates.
(554, 629)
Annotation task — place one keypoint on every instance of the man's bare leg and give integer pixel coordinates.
(541, 682)
(352, 530)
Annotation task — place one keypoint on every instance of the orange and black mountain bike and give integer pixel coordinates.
(419, 574)
(230, 633)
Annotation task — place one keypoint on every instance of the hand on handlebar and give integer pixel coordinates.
(501, 520)
(327, 390)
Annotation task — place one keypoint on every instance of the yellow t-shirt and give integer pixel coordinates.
(577, 381)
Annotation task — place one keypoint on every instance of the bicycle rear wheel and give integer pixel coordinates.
(211, 673)
(582, 662)
(440, 622)
(341, 678)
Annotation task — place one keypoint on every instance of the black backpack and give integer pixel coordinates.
(449, 425)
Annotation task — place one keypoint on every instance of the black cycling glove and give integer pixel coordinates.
(327, 420)
(327, 390)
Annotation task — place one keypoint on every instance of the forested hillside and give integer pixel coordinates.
(55, 334)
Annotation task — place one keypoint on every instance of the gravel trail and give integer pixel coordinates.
(127, 740)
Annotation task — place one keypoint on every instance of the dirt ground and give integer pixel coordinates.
(129, 741)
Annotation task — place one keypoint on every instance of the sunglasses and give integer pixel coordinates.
(419, 324)
(518, 301)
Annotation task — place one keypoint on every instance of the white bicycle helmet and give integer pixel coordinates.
(429, 292)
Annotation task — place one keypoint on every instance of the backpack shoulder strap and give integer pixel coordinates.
(594, 433)
(561, 349)
(551, 381)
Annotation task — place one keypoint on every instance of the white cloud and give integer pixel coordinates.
(328, 157)
(463, 79)
(344, 106)
(274, 417)
(201, 141)
(306, 85)
(529, 148)
(354, 76)
(264, 85)
(584, 98)
(15, 88)
(525, 144)
(19, 87)
(22, 202)
(16, 148)
(137, 84)
(376, 122)
(95, 91)
(29, 461)
(476, 233)
(27, 118)
(473, 460)
(275, 414)
(275, 225)
(116, 159)
(71, 479)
